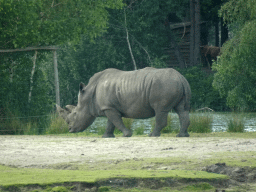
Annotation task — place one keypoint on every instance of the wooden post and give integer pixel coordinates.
(56, 76)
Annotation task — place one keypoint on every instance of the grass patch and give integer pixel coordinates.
(25, 176)
(233, 159)
(236, 124)
(57, 125)
(200, 124)
(139, 130)
(198, 187)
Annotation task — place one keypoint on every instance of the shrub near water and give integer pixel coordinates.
(200, 124)
(236, 124)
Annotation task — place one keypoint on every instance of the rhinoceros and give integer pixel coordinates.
(139, 94)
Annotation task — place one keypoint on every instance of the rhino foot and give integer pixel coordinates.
(127, 133)
(154, 134)
(108, 136)
(182, 135)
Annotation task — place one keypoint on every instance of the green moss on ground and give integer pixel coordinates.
(24, 176)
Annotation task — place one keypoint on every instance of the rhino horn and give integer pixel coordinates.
(70, 108)
(62, 112)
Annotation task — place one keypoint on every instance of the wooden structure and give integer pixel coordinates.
(56, 75)
(181, 32)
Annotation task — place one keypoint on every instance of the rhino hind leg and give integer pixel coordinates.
(161, 122)
(116, 119)
(110, 130)
(184, 119)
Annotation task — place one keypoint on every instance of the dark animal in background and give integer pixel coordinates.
(210, 53)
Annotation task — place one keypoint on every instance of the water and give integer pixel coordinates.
(219, 124)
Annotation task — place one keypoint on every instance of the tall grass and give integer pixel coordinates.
(139, 130)
(200, 123)
(57, 125)
(236, 124)
(170, 127)
(10, 123)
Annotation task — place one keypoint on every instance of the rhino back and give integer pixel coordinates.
(137, 94)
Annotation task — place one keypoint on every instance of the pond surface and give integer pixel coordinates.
(219, 123)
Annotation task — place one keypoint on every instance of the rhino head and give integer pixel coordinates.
(78, 117)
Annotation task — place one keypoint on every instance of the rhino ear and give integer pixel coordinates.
(70, 108)
(81, 87)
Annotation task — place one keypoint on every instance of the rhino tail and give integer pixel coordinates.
(187, 93)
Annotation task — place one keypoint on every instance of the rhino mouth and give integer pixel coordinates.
(72, 130)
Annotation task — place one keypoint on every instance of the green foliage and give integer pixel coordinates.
(203, 93)
(30, 128)
(101, 130)
(239, 11)
(127, 122)
(236, 72)
(236, 124)
(139, 130)
(9, 123)
(198, 187)
(104, 188)
(57, 125)
(45, 22)
(200, 123)
(59, 189)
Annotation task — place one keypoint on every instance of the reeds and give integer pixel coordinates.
(57, 125)
(236, 124)
(200, 124)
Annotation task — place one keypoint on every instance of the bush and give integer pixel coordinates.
(203, 93)
(236, 124)
(200, 124)
(9, 122)
(57, 125)
(30, 128)
(170, 128)
(139, 130)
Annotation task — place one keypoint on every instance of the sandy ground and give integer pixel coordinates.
(42, 151)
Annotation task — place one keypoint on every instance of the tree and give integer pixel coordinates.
(236, 70)
(48, 22)
(39, 23)
(195, 32)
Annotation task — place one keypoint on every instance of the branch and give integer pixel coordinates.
(129, 46)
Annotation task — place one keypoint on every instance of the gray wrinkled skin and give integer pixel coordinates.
(137, 94)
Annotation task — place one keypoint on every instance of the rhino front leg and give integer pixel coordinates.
(161, 122)
(115, 117)
(110, 130)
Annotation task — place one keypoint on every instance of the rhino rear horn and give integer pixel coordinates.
(70, 108)
(62, 112)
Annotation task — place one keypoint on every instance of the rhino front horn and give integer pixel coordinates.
(62, 112)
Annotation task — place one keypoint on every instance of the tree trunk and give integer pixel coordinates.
(56, 75)
(128, 42)
(197, 32)
(192, 33)
(175, 47)
(224, 32)
(31, 77)
(217, 39)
